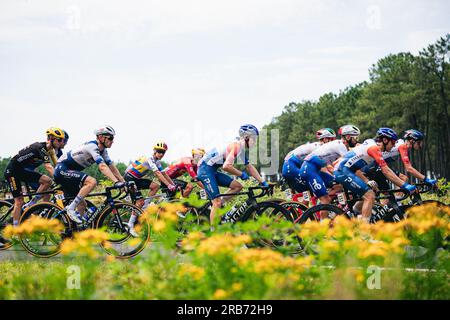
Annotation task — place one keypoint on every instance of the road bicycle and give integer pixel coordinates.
(111, 216)
(393, 211)
(248, 210)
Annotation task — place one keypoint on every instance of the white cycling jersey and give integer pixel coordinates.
(216, 157)
(84, 156)
(302, 151)
(329, 152)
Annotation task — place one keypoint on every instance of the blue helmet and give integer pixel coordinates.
(386, 133)
(248, 130)
(66, 136)
(414, 134)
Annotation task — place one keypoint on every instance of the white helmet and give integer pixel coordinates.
(105, 130)
(350, 130)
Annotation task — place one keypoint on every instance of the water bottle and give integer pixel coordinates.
(90, 212)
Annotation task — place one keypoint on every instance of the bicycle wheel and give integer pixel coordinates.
(45, 244)
(120, 243)
(5, 219)
(314, 213)
(279, 233)
(295, 208)
(191, 219)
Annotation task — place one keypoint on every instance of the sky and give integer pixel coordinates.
(188, 72)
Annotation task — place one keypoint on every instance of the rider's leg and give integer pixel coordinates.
(88, 185)
(44, 184)
(235, 187)
(216, 204)
(18, 203)
(369, 199)
(154, 187)
(187, 191)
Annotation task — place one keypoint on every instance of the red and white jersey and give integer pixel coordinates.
(362, 155)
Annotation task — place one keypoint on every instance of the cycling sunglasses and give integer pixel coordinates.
(110, 138)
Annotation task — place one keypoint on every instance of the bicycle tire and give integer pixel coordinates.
(38, 248)
(123, 247)
(281, 239)
(295, 208)
(5, 215)
(313, 213)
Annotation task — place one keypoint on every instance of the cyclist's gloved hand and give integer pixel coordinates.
(409, 187)
(430, 182)
(172, 187)
(264, 184)
(244, 176)
(119, 184)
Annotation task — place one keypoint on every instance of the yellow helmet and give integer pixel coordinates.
(198, 151)
(160, 146)
(55, 132)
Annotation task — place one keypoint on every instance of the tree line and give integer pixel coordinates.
(404, 91)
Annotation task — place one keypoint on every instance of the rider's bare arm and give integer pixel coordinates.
(403, 149)
(388, 173)
(116, 172)
(161, 177)
(254, 173)
(106, 171)
(228, 165)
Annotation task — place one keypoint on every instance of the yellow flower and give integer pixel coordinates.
(193, 271)
(32, 225)
(236, 286)
(222, 244)
(159, 226)
(220, 294)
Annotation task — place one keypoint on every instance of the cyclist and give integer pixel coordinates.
(21, 168)
(315, 168)
(349, 175)
(144, 166)
(78, 184)
(224, 159)
(294, 159)
(413, 139)
(183, 166)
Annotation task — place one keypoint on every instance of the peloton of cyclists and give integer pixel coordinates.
(294, 159)
(348, 170)
(316, 168)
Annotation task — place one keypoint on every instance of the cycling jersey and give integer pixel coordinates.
(143, 166)
(216, 157)
(362, 155)
(182, 166)
(32, 156)
(210, 163)
(292, 164)
(84, 156)
(327, 153)
(400, 149)
(302, 151)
